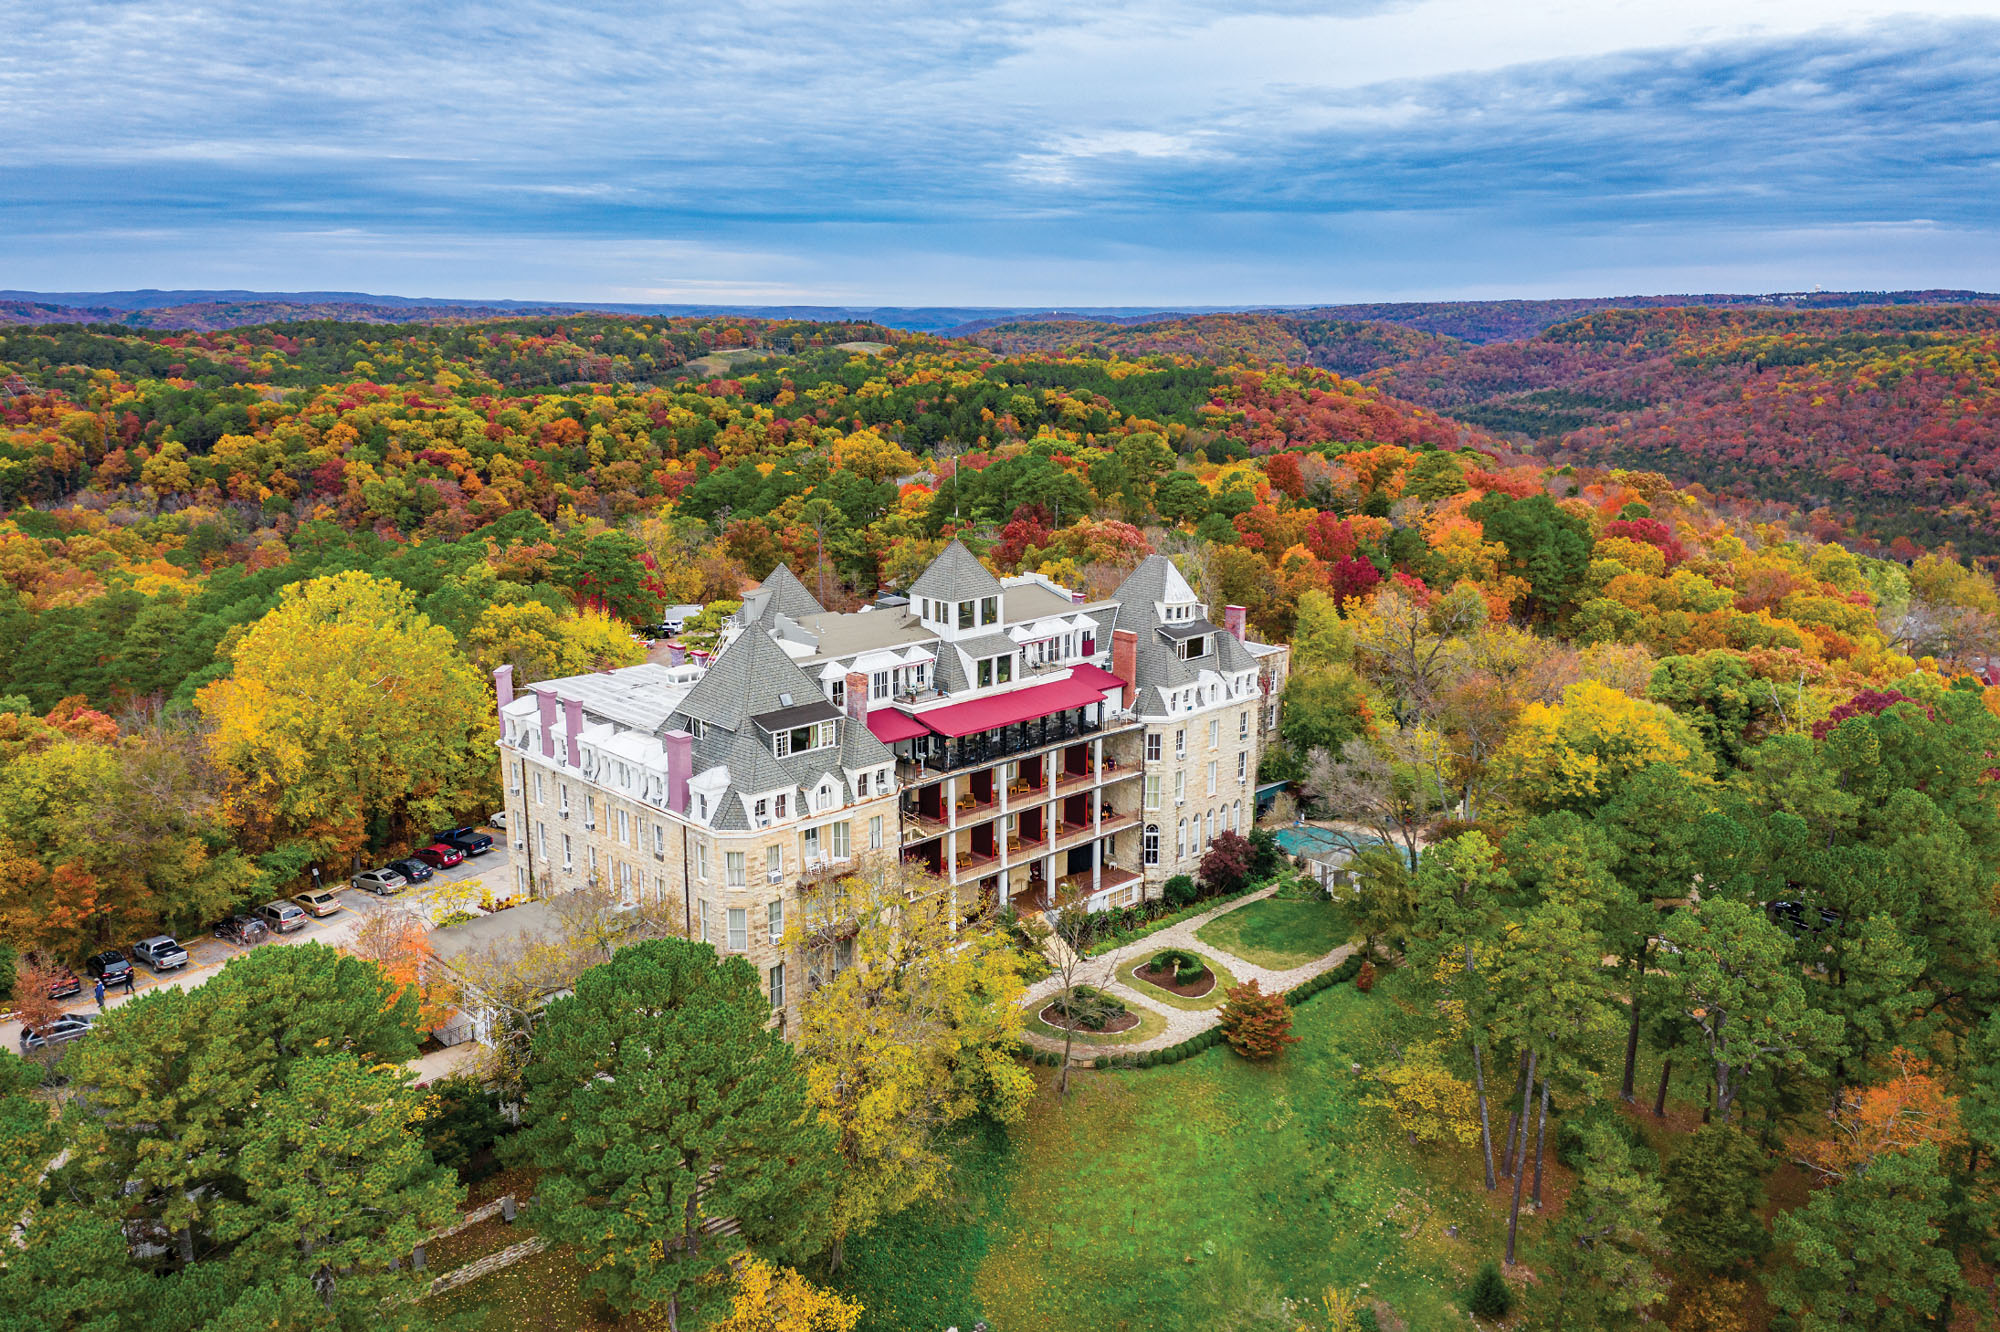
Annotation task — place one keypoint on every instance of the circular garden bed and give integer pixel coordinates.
(1181, 978)
(1089, 1012)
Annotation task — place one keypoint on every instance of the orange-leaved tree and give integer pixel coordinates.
(1257, 1025)
(397, 942)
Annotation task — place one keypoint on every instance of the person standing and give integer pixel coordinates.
(100, 994)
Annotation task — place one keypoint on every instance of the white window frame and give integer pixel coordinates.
(1151, 843)
(1180, 743)
(774, 921)
(739, 930)
(1152, 790)
(734, 869)
(875, 833)
(775, 981)
(1154, 744)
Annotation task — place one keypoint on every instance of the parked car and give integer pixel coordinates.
(160, 952)
(439, 856)
(63, 983)
(469, 840)
(62, 1031)
(282, 917)
(497, 819)
(380, 881)
(244, 931)
(110, 966)
(412, 869)
(319, 902)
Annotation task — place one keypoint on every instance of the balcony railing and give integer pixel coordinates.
(975, 751)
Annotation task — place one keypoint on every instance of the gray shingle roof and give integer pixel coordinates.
(781, 594)
(955, 575)
(1158, 665)
(747, 681)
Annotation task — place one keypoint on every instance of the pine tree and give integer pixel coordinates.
(1715, 1196)
(657, 1098)
(1601, 1272)
(1864, 1251)
(1491, 1296)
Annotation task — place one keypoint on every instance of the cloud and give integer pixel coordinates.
(1006, 151)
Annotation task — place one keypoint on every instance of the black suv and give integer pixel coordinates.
(469, 840)
(110, 966)
(412, 869)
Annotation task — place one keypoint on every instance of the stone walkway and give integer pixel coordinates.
(1181, 1022)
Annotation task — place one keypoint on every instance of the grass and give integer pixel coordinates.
(1214, 998)
(1120, 938)
(1150, 1025)
(1201, 1195)
(1279, 933)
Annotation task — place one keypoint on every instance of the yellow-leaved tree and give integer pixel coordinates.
(915, 1033)
(867, 453)
(541, 643)
(1574, 754)
(347, 709)
(777, 1299)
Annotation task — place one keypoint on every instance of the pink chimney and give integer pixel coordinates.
(573, 723)
(680, 767)
(503, 687)
(1233, 618)
(545, 716)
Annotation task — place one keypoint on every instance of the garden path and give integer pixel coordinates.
(1181, 1022)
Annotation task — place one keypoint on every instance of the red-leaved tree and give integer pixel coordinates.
(1257, 1025)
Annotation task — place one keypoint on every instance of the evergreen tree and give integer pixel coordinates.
(1601, 1273)
(1864, 1251)
(1715, 1197)
(657, 1098)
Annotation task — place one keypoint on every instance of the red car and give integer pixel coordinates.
(439, 856)
(63, 983)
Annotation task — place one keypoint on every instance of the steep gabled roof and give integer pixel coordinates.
(781, 594)
(955, 575)
(1154, 581)
(748, 680)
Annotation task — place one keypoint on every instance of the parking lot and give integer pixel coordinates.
(207, 954)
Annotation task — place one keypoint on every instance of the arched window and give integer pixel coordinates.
(1152, 844)
(1180, 842)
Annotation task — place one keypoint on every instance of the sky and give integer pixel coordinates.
(1018, 153)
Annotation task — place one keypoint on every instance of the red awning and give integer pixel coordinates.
(1022, 705)
(1097, 677)
(890, 725)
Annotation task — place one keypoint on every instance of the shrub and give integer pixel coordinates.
(1186, 966)
(1258, 1025)
(1364, 979)
(1102, 1061)
(1089, 1008)
(1574, 1131)
(1491, 1296)
(1179, 892)
(1264, 853)
(463, 1124)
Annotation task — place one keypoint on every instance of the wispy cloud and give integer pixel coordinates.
(1011, 151)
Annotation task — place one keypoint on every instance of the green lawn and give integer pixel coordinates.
(1279, 933)
(1199, 1195)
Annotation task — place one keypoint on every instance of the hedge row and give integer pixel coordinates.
(1123, 937)
(1195, 1044)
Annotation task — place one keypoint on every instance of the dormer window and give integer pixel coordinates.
(989, 610)
(965, 614)
(1194, 647)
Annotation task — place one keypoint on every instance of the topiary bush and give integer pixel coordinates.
(1188, 969)
(1179, 891)
(1491, 1296)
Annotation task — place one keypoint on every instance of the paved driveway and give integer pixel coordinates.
(207, 954)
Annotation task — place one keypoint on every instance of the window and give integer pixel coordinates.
(1180, 787)
(989, 610)
(706, 935)
(1180, 841)
(1270, 715)
(875, 833)
(774, 863)
(1226, 824)
(1211, 776)
(739, 929)
(778, 986)
(732, 864)
(701, 859)
(985, 672)
(965, 615)
(826, 735)
(841, 846)
(515, 785)
(659, 839)
(837, 691)
(1211, 826)
(589, 810)
(569, 857)
(1153, 748)
(1152, 844)
(1180, 743)
(878, 685)
(861, 787)
(782, 800)
(702, 804)
(562, 798)
(1152, 790)
(1005, 666)
(542, 836)
(1243, 766)
(1243, 725)
(538, 786)
(813, 852)
(1214, 732)
(775, 921)
(760, 814)
(1193, 647)
(590, 851)
(624, 827)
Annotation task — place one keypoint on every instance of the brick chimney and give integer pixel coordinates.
(1233, 618)
(573, 723)
(1076, 598)
(857, 696)
(1125, 661)
(545, 717)
(680, 767)
(503, 685)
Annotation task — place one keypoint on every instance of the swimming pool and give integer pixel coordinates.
(1321, 843)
